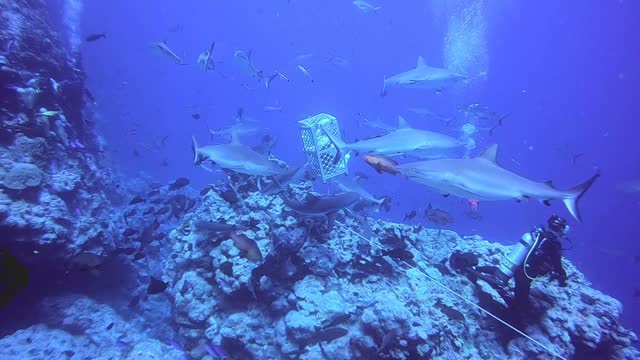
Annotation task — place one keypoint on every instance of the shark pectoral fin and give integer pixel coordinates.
(522, 198)
(546, 202)
(446, 195)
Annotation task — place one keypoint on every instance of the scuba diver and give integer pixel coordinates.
(538, 253)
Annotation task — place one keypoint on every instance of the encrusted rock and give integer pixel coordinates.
(21, 176)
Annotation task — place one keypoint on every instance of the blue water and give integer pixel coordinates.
(567, 71)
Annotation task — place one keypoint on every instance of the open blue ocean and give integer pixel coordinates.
(303, 179)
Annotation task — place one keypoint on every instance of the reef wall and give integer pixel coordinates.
(55, 197)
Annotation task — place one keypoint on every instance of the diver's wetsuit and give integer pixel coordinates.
(545, 259)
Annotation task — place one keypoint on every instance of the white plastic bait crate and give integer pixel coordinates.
(321, 152)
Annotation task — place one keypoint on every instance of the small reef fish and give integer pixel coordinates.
(243, 60)
(306, 72)
(94, 37)
(215, 227)
(163, 210)
(205, 59)
(205, 190)
(381, 163)
(153, 192)
(179, 184)
(410, 216)
(400, 254)
(156, 286)
(139, 255)
(128, 232)
(365, 6)
(136, 200)
(438, 216)
(270, 108)
(49, 112)
(230, 196)
(164, 48)
(247, 245)
(327, 335)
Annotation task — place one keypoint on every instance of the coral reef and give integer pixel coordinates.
(79, 328)
(52, 188)
(238, 271)
(381, 306)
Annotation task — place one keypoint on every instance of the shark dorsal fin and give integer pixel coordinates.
(549, 183)
(490, 154)
(402, 123)
(421, 63)
(235, 139)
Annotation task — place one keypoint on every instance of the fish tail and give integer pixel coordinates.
(383, 93)
(337, 142)
(196, 153)
(576, 193)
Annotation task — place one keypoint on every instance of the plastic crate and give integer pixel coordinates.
(320, 151)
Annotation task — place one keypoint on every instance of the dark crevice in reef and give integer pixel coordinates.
(51, 273)
(604, 350)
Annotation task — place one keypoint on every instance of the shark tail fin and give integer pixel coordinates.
(337, 142)
(576, 193)
(196, 153)
(384, 203)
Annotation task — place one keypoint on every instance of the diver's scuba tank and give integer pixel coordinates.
(517, 255)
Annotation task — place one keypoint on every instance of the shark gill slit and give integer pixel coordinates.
(470, 302)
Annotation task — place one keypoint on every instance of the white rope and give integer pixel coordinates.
(549, 350)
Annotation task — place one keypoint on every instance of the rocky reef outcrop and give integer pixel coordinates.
(53, 190)
(318, 292)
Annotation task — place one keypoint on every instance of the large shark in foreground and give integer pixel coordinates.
(482, 178)
(236, 157)
(423, 77)
(405, 140)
